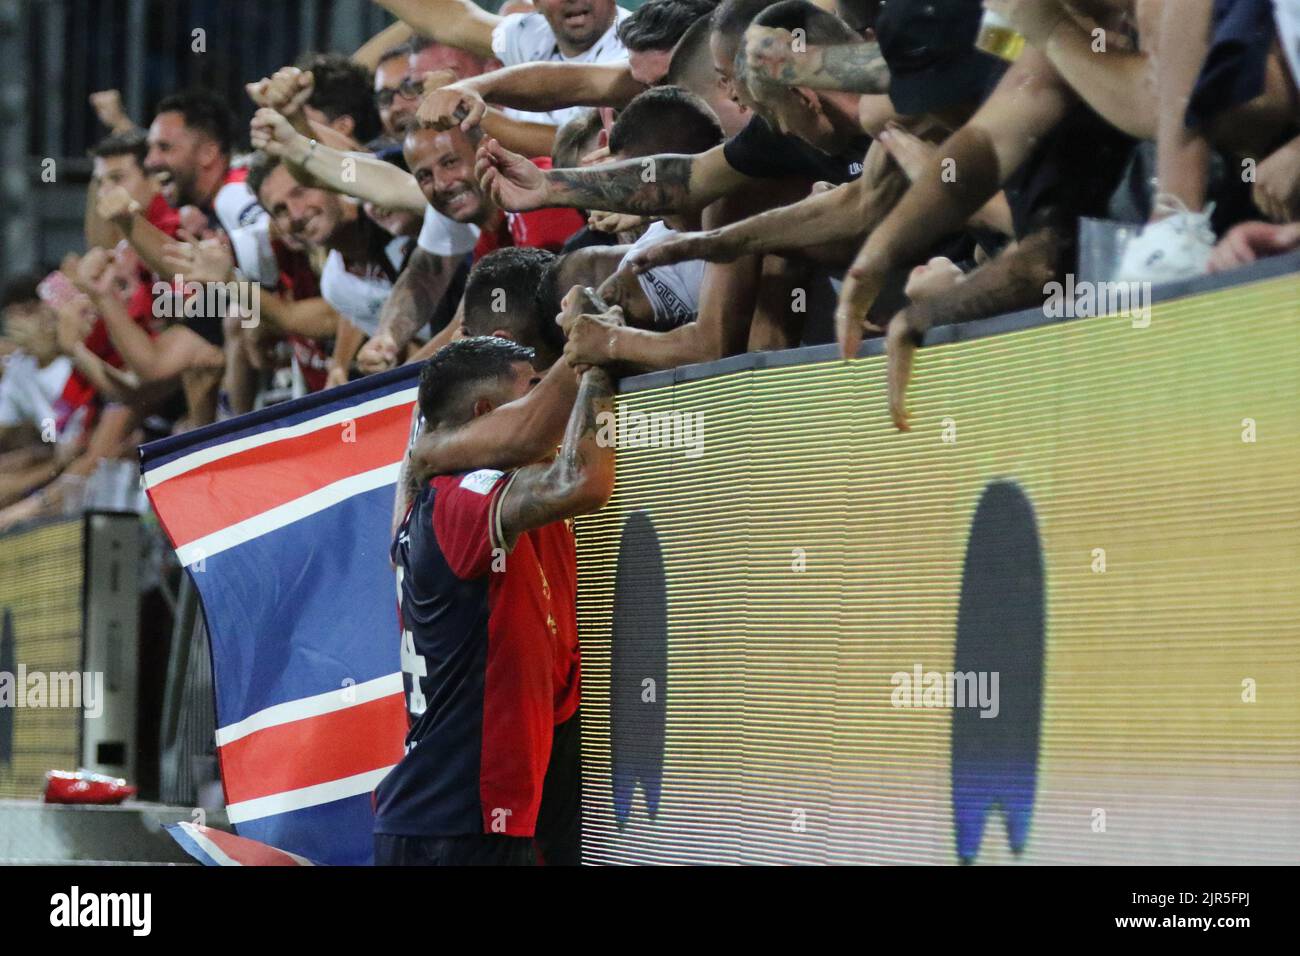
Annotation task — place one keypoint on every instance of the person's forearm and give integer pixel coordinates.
(453, 22)
(312, 318)
(539, 87)
(1117, 83)
(114, 387)
(851, 67)
(138, 350)
(511, 436)
(355, 174)
(347, 343)
(585, 465)
(97, 232)
(728, 296)
(393, 35)
(933, 207)
(836, 215)
(995, 215)
(1014, 280)
(147, 240)
(520, 136)
(641, 350)
(331, 137)
(415, 296)
(655, 185)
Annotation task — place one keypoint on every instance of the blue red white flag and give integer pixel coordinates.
(282, 519)
(213, 847)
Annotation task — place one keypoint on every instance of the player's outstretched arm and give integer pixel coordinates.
(579, 480)
(516, 434)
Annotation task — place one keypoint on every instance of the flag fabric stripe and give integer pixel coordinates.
(295, 510)
(236, 446)
(244, 484)
(298, 593)
(315, 795)
(306, 707)
(344, 741)
(213, 847)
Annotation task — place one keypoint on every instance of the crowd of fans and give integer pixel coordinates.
(721, 176)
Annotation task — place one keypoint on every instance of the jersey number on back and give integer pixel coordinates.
(412, 663)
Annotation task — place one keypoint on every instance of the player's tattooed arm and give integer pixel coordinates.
(579, 480)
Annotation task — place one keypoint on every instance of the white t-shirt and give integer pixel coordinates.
(528, 38)
(361, 298)
(236, 206)
(446, 237)
(32, 395)
(673, 290)
(254, 254)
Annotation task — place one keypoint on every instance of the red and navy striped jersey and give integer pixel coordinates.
(489, 662)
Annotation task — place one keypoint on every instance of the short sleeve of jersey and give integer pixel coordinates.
(465, 519)
(508, 39)
(446, 237)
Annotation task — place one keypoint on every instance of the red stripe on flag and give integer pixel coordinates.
(302, 753)
(224, 492)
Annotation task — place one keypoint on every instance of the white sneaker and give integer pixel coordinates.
(1175, 247)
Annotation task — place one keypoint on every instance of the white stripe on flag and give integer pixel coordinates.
(207, 846)
(287, 513)
(313, 706)
(195, 459)
(220, 857)
(304, 797)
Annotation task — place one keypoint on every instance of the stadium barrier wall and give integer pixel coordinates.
(69, 649)
(1104, 516)
(41, 587)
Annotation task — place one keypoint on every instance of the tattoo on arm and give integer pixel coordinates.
(1014, 280)
(415, 296)
(649, 185)
(541, 494)
(855, 68)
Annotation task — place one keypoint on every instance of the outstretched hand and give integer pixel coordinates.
(513, 181)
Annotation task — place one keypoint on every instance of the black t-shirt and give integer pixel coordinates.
(1074, 172)
(761, 152)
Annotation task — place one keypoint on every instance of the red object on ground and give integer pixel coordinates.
(85, 787)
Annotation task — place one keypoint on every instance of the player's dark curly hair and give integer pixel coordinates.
(454, 379)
